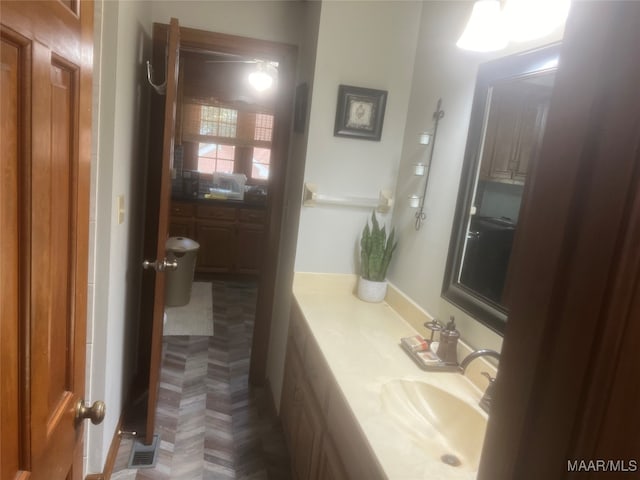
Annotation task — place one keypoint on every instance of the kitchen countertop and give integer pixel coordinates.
(222, 201)
(360, 343)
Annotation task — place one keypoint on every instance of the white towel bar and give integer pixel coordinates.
(311, 198)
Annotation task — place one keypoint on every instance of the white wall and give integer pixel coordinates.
(122, 45)
(310, 22)
(441, 71)
(365, 44)
(262, 19)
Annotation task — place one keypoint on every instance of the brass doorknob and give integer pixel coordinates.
(94, 412)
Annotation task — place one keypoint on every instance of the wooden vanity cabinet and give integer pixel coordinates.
(313, 454)
(307, 434)
(291, 398)
(311, 409)
(330, 464)
(230, 236)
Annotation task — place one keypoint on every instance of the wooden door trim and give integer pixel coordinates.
(274, 219)
(569, 315)
(226, 43)
(112, 454)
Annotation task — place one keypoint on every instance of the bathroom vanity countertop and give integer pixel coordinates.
(360, 343)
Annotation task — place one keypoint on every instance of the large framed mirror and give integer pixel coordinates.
(508, 117)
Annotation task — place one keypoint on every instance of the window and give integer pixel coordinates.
(218, 121)
(214, 157)
(263, 127)
(219, 138)
(261, 155)
(260, 163)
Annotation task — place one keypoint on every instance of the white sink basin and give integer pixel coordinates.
(441, 423)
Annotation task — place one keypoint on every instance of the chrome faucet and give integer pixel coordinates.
(485, 401)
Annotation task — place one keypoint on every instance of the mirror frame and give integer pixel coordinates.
(519, 65)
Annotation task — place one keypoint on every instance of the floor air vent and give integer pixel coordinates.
(144, 456)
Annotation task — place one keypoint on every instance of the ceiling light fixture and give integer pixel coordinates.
(263, 77)
(485, 30)
(530, 19)
(491, 27)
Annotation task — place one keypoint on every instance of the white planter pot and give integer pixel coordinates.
(370, 291)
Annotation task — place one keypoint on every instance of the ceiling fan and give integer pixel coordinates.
(242, 60)
(224, 57)
(262, 78)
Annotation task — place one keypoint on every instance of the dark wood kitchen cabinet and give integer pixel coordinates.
(181, 222)
(231, 237)
(217, 246)
(514, 131)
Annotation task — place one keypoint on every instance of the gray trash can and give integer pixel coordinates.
(178, 281)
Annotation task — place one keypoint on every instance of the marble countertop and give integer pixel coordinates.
(360, 343)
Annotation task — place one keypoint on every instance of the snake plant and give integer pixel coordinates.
(376, 251)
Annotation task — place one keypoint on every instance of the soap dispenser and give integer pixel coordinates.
(448, 347)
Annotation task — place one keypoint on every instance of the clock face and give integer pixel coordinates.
(360, 114)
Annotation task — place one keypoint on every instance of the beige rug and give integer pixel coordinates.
(194, 318)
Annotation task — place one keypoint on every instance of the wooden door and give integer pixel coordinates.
(166, 47)
(45, 110)
(568, 387)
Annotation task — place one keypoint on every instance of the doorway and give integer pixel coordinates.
(220, 132)
(233, 54)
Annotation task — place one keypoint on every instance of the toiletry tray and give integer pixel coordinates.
(430, 366)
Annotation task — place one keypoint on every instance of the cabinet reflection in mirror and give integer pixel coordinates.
(508, 116)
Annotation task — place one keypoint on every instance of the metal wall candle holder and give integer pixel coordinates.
(437, 115)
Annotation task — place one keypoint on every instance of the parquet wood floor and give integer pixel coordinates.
(212, 425)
